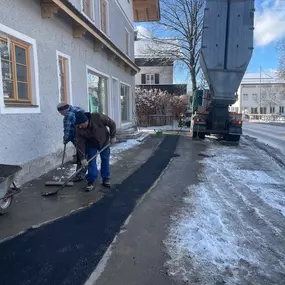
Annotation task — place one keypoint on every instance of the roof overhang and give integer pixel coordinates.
(81, 26)
(146, 10)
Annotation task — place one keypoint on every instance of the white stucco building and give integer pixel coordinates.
(75, 51)
(260, 93)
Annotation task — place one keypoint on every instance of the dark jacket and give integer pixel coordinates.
(96, 135)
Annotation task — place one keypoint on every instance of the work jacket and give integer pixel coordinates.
(96, 135)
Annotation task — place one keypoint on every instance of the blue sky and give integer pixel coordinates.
(269, 29)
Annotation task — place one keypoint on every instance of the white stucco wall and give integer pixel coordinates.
(253, 98)
(127, 6)
(34, 139)
(165, 74)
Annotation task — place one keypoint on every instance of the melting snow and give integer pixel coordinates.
(220, 234)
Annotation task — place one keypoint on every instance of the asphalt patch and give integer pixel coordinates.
(67, 251)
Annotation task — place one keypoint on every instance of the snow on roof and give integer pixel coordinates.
(148, 46)
(263, 77)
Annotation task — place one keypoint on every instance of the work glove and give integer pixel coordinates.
(84, 163)
(112, 140)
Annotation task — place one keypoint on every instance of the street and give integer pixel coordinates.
(185, 212)
(270, 134)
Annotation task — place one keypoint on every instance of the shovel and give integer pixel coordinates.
(73, 175)
(60, 183)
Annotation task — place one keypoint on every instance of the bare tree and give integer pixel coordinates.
(271, 96)
(181, 20)
(281, 52)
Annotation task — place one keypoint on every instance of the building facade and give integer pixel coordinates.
(76, 51)
(260, 93)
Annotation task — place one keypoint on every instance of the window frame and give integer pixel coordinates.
(90, 17)
(108, 85)
(127, 42)
(107, 16)
(149, 82)
(34, 106)
(68, 83)
(12, 48)
(129, 104)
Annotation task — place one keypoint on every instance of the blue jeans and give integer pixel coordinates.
(92, 167)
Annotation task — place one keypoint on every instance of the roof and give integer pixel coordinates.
(263, 77)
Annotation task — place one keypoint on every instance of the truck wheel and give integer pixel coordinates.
(201, 136)
(5, 204)
(234, 138)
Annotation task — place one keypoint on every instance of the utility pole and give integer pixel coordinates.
(260, 89)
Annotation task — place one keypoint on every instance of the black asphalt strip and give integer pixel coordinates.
(67, 250)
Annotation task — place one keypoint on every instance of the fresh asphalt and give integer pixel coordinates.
(67, 250)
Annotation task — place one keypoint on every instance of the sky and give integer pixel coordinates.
(269, 29)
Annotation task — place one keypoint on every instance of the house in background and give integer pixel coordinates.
(75, 51)
(260, 93)
(156, 62)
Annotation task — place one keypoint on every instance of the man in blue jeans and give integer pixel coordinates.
(92, 134)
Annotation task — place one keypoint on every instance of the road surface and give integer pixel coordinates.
(194, 212)
(273, 135)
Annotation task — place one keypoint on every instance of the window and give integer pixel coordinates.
(104, 16)
(262, 110)
(281, 109)
(245, 97)
(64, 78)
(15, 66)
(128, 42)
(97, 92)
(272, 110)
(254, 97)
(87, 8)
(149, 78)
(125, 103)
(254, 111)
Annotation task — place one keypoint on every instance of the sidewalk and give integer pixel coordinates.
(30, 208)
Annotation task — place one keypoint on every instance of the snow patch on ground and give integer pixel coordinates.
(226, 232)
(163, 128)
(116, 150)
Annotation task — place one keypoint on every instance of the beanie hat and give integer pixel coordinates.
(62, 106)
(80, 118)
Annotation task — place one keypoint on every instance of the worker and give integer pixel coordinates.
(69, 133)
(92, 135)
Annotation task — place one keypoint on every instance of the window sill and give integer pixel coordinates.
(20, 105)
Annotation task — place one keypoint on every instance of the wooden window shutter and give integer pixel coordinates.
(143, 79)
(156, 78)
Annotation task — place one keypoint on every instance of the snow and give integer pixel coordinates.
(163, 128)
(116, 151)
(219, 233)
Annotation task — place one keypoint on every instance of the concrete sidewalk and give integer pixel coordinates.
(31, 209)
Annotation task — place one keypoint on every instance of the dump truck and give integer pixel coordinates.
(226, 50)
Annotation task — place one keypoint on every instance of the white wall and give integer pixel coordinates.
(165, 74)
(252, 99)
(127, 7)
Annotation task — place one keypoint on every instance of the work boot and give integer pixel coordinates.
(90, 187)
(107, 182)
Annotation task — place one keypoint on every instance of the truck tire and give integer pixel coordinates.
(233, 138)
(5, 204)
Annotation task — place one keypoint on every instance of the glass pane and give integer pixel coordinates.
(4, 51)
(97, 90)
(62, 95)
(20, 55)
(6, 70)
(23, 91)
(60, 62)
(8, 89)
(124, 103)
(21, 73)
